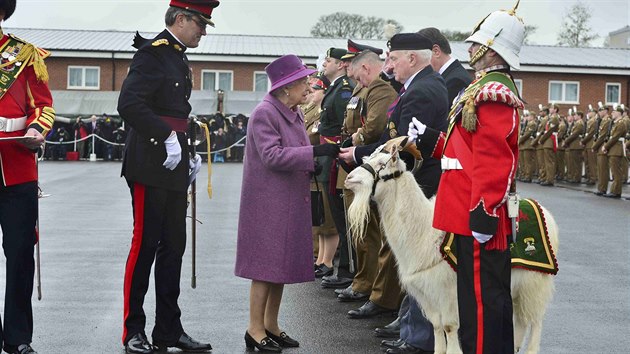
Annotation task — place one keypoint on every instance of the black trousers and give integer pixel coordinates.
(484, 298)
(159, 232)
(18, 215)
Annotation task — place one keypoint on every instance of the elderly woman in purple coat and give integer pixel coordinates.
(274, 244)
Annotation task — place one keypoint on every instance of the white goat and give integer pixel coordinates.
(423, 272)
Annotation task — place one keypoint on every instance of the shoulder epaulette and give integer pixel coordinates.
(29, 54)
(159, 42)
(498, 92)
(492, 87)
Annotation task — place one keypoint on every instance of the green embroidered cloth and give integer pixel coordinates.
(532, 249)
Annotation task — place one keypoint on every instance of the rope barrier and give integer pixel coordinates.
(236, 144)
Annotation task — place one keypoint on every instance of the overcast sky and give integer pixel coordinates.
(296, 17)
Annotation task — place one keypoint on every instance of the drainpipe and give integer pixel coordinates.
(113, 73)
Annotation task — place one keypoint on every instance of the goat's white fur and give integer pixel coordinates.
(406, 218)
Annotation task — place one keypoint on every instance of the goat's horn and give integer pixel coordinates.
(411, 148)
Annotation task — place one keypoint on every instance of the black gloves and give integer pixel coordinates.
(318, 169)
(326, 150)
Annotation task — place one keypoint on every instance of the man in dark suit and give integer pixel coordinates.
(154, 102)
(423, 96)
(416, 332)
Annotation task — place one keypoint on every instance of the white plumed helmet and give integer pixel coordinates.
(501, 31)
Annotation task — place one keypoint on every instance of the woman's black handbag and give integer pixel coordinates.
(317, 206)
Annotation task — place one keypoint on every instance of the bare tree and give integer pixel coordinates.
(529, 30)
(344, 25)
(575, 30)
(455, 36)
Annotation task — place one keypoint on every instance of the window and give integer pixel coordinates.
(261, 81)
(84, 77)
(519, 86)
(613, 93)
(564, 91)
(216, 80)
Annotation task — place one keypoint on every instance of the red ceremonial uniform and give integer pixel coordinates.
(474, 197)
(25, 102)
(479, 160)
(27, 96)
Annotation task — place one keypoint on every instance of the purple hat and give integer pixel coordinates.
(286, 69)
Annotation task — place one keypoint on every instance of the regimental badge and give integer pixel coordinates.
(353, 103)
(177, 47)
(392, 130)
(159, 42)
(530, 249)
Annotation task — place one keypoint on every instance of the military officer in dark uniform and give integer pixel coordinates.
(26, 115)
(416, 332)
(333, 106)
(154, 102)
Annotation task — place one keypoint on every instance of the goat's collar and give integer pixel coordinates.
(377, 177)
(392, 176)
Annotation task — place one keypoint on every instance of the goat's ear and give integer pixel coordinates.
(394, 154)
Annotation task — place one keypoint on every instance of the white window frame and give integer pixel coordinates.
(83, 87)
(606, 92)
(216, 81)
(254, 80)
(519, 86)
(563, 100)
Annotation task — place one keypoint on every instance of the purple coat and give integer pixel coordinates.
(274, 228)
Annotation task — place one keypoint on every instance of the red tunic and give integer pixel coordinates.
(27, 96)
(474, 198)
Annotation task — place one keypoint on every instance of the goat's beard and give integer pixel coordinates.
(359, 211)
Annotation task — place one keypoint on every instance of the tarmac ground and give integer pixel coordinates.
(85, 235)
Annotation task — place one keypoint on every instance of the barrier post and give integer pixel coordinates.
(93, 154)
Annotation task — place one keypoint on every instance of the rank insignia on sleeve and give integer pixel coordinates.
(159, 42)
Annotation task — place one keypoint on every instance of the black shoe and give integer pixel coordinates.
(526, 180)
(138, 344)
(335, 282)
(369, 309)
(185, 343)
(19, 349)
(391, 330)
(612, 195)
(339, 291)
(600, 193)
(283, 339)
(323, 270)
(389, 344)
(407, 349)
(546, 184)
(265, 345)
(352, 296)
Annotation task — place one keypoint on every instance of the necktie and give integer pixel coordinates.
(391, 108)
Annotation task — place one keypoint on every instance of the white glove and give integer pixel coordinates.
(195, 165)
(481, 238)
(416, 128)
(173, 152)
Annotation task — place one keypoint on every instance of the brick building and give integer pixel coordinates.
(97, 61)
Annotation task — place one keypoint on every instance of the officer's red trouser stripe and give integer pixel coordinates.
(478, 299)
(136, 242)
